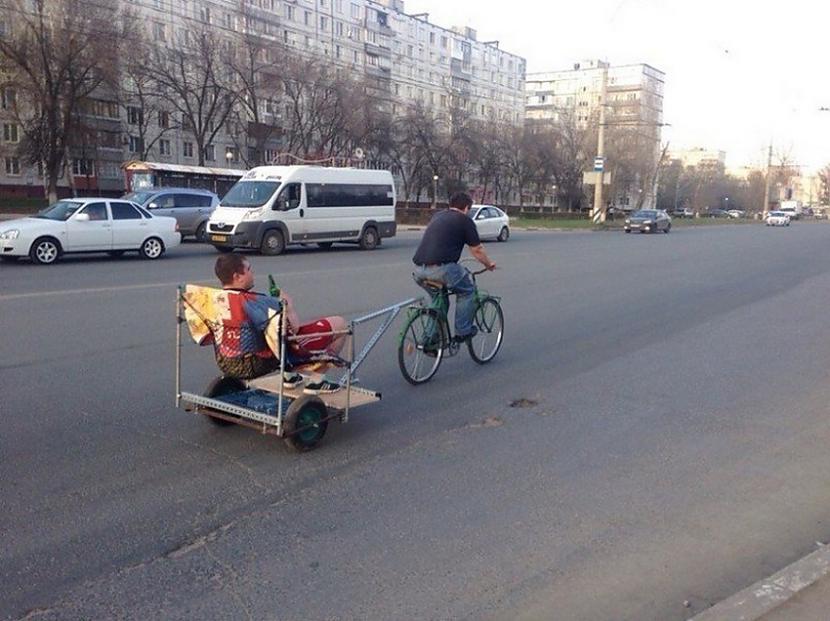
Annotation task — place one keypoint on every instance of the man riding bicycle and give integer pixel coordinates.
(437, 256)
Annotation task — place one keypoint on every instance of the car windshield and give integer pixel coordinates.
(776, 214)
(473, 212)
(138, 197)
(645, 213)
(250, 194)
(61, 211)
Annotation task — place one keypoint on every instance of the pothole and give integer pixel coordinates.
(524, 403)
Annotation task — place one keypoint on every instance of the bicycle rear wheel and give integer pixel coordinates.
(421, 347)
(489, 319)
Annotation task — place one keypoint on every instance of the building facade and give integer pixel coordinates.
(408, 60)
(700, 158)
(633, 113)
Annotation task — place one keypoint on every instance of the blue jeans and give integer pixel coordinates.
(458, 281)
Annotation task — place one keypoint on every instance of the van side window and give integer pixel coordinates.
(289, 197)
(349, 195)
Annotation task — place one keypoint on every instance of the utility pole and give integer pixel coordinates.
(598, 215)
(766, 184)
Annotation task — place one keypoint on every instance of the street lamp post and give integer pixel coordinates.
(434, 191)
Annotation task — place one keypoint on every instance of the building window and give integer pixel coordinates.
(324, 24)
(10, 132)
(135, 144)
(135, 116)
(164, 147)
(187, 149)
(83, 167)
(164, 119)
(210, 153)
(204, 14)
(9, 98)
(307, 18)
(159, 33)
(13, 166)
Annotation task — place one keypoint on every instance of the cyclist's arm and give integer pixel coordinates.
(481, 256)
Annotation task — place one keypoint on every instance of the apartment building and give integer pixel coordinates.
(700, 158)
(634, 95)
(634, 98)
(407, 59)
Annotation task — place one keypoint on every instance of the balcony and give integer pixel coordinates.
(377, 50)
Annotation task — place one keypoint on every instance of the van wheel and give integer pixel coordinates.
(369, 239)
(273, 243)
(201, 233)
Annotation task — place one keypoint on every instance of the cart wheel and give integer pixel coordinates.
(305, 423)
(219, 387)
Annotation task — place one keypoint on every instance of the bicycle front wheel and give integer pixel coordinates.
(422, 344)
(489, 319)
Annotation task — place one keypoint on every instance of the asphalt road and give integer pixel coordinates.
(670, 447)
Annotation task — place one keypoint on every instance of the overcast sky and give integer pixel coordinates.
(739, 73)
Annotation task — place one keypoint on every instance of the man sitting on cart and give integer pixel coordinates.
(244, 352)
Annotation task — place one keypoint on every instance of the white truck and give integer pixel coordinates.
(793, 209)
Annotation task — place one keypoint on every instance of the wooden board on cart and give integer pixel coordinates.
(334, 401)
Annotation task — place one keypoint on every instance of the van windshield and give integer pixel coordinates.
(249, 194)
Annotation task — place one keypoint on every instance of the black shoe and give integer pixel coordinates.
(323, 387)
(465, 337)
(291, 379)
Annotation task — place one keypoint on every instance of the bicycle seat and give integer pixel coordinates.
(433, 286)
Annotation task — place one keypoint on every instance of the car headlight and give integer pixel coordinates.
(10, 234)
(628, 221)
(253, 214)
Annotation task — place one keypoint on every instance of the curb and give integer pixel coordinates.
(766, 595)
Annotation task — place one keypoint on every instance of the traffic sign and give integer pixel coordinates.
(599, 163)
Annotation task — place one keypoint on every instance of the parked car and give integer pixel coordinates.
(683, 212)
(191, 207)
(87, 225)
(491, 222)
(736, 213)
(717, 213)
(778, 218)
(648, 221)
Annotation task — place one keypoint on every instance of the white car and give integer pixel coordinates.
(87, 225)
(778, 218)
(491, 222)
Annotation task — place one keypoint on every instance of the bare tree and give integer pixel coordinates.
(148, 114)
(193, 79)
(256, 63)
(56, 54)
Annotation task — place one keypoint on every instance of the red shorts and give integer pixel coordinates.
(314, 343)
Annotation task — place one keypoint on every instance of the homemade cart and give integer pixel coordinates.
(266, 403)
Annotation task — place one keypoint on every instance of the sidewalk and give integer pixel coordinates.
(800, 592)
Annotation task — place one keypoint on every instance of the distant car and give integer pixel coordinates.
(648, 221)
(191, 207)
(778, 218)
(683, 212)
(491, 222)
(736, 213)
(792, 212)
(87, 225)
(717, 213)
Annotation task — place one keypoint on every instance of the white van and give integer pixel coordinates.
(273, 206)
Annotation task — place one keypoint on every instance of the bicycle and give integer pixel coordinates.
(427, 337)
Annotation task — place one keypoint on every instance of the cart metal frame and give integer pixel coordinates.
(275, 425)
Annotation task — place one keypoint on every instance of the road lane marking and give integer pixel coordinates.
(322, 272)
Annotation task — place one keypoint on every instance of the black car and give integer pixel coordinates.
(717, 213)
(648, 221)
